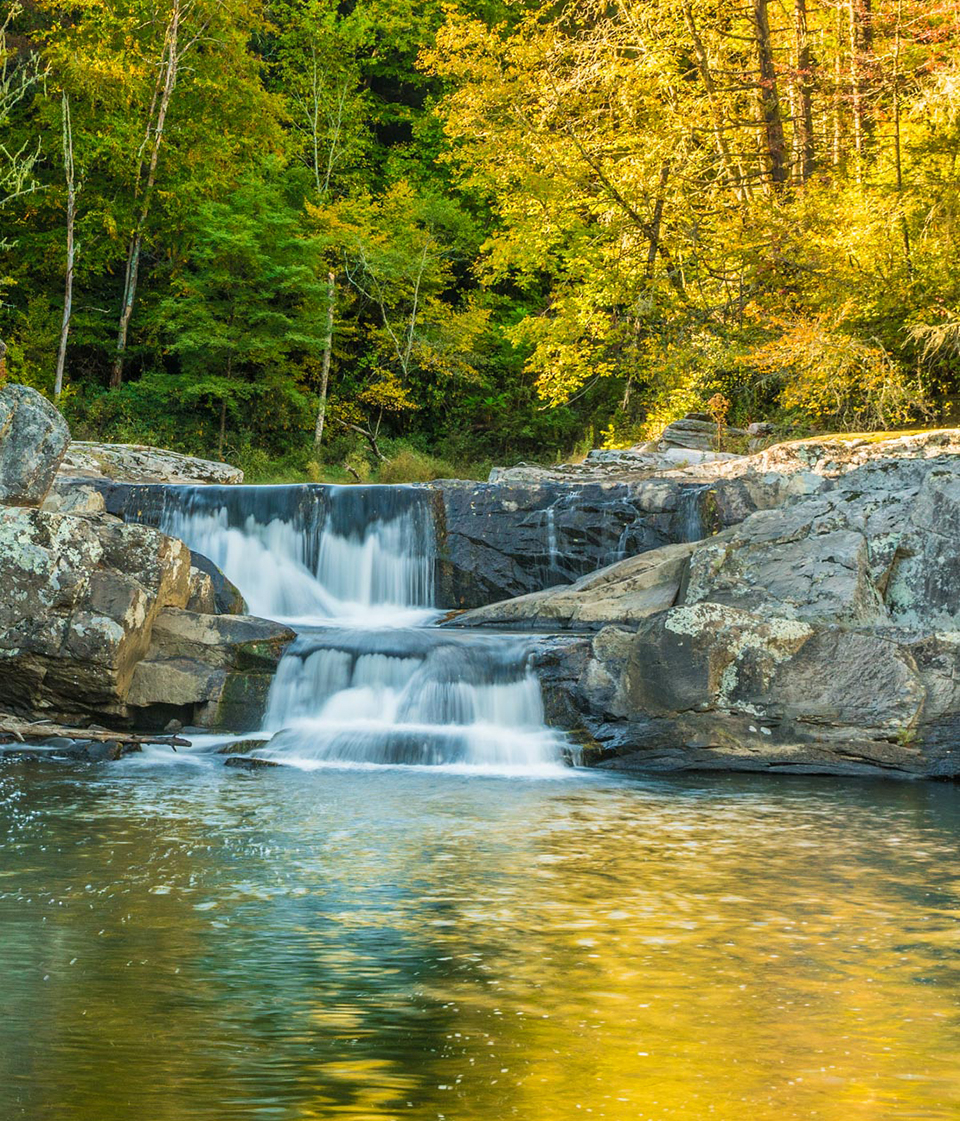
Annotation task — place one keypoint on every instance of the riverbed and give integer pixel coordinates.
(180, 940)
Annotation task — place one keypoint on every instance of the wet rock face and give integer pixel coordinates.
(80, 599)
(505, 539)
(33, 440)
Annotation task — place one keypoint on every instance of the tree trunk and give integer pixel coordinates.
(838, 91)
(71, 250)
(223, 428)
(731, 172)
(169, 65)
(897, 138)
(776, 149)
(804, 125)
(327, 348)
(369, 436)
(861, 47)
(656, 222)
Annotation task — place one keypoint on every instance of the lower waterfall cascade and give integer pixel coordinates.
(351, 568)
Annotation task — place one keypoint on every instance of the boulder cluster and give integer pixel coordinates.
(821, 632)
(108, 622)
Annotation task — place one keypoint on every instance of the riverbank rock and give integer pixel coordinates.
(210, 671)
(81, 501)
(33, 440)
(137, 463)
(79, 601)
(625, 592)
(502, 540)
(698, 432)
(823, 636)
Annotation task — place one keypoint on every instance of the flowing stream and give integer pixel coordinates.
(352, 568)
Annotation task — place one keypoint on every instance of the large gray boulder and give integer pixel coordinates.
(821, 636)
(881, 547)
(79, 601)
(711, 687)
(214, 671)
(33, 440)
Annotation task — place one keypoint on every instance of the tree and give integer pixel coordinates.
(399, 254)
(244, 306)
(70, 177)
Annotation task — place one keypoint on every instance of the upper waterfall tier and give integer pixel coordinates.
(365, 554)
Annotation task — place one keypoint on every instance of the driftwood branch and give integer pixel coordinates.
(21, 732)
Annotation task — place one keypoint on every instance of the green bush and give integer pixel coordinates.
(411, 466)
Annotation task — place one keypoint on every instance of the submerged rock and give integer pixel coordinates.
(249, 762)
(33, 440)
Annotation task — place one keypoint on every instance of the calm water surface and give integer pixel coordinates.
(191, 942)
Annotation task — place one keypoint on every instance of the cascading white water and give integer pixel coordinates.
(412, 697)
(352, 567)
(362, 554)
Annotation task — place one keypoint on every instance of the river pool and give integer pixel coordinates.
(179, 940)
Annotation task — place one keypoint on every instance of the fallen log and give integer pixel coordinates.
(21, 731)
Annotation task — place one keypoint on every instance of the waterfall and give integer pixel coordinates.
(351, 568)
(414, 697)
(690, 513)
(314, 553)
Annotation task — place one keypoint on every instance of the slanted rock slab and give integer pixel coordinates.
(139, 463)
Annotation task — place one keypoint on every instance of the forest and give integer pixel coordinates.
(379, 239)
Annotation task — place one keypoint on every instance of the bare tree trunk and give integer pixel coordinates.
(223, 405)
(71, 249)
(370, 437)
(327, 348)
(776, 148)
(860, 14)
(732, 173)
(897, 139)
(223, 428)
(169, 66)
(656, 222)
(838, 91)
(804, 125)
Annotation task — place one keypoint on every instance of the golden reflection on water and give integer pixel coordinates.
(191, 943)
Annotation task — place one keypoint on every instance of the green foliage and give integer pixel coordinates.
(407, 465)
(542, 222)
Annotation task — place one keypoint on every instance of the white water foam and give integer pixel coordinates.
(423, 698)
